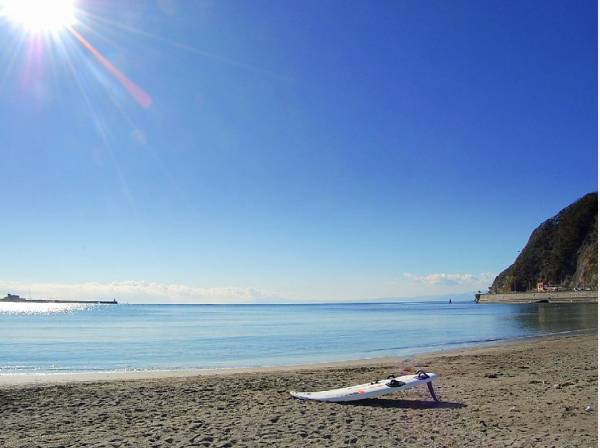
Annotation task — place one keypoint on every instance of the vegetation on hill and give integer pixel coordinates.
(562, 251)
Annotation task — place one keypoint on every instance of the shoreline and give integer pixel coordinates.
(539, 392)
(27, 379)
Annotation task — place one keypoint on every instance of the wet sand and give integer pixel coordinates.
(522, 394)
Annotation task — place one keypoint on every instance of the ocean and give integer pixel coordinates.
(57, 338)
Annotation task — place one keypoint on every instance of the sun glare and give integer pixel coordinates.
(37, 16)
(51, 22)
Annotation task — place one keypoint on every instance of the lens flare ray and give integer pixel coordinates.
(139, 94)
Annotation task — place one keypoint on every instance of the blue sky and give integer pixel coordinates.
(305, 150)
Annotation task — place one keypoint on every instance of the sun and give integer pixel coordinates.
(39, 16)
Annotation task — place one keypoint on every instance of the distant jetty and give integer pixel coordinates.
(16, 298)
(540, 297)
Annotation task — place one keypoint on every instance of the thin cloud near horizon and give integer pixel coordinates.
(451, 279)
(140, 291)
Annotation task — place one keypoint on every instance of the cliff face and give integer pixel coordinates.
(562, 251)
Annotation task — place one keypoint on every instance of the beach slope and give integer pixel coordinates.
(521, 394)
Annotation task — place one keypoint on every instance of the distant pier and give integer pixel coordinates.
(540, 297)
(16, 298)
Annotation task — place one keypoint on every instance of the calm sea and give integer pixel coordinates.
(66, 338)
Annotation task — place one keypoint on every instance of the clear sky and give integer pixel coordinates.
(305, 150)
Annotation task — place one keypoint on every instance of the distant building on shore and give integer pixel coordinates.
(13, 298)
(545, 287)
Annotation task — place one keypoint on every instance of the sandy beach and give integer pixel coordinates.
(520, 394)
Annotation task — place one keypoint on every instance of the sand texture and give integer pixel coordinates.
(527, 394)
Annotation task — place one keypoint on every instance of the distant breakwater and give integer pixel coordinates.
(13, 298)
(540, 297)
